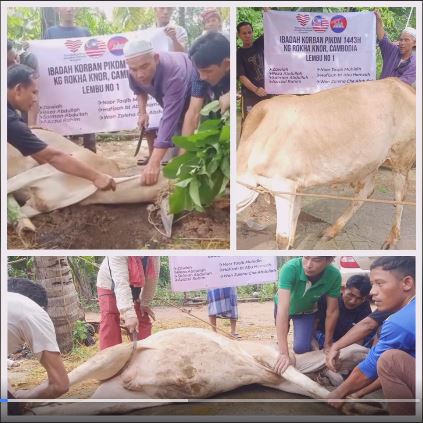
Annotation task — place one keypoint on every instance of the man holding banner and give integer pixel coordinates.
(167, 78)
(398, 60)
(68, 29)
(22, 91)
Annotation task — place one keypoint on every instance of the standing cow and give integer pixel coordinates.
(342, 135)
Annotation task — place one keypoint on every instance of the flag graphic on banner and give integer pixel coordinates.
(73, 45)
(319, 23)
(303, 19)
(95, 48)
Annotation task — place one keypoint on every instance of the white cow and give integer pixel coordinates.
(42, 188)
(341, 135)
(191, 363)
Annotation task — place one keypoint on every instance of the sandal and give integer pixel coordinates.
(142, 162)
(236, 335)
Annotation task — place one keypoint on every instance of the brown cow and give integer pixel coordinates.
(341, 135)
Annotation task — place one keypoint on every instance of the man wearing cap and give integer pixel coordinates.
(398, 60)
(167, 78)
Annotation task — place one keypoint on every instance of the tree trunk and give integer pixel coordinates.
(48, 18)
(54, 274)
(81, 281)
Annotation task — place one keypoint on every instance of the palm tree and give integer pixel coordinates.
(54, 274)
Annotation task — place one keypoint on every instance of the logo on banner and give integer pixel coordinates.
(338, 23)
(303, 19)
(73, 45)
(320, 23)
(116, 44)
(95, 48)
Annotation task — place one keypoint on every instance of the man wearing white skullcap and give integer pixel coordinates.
(398, 60)
(167, 78)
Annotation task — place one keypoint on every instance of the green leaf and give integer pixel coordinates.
(213, 106)
(210, 124)
(225, 167)
(225, 133)
(179, 201)
(194, 193)
(184, 182)
(171, 169)
(196, 141)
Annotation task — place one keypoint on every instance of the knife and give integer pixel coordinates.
(139, 141)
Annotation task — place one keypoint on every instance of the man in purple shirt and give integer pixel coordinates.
(398, 60)
(166, 77)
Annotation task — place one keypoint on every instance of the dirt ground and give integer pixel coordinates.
(367, 229)
(255, 323)
(125, 226)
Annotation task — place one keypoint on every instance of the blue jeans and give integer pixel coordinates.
(303, 330)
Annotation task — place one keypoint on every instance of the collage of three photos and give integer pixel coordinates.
(140, 140)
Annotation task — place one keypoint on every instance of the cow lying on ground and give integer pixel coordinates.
(42, 188)
(192, 363)
(341, 135)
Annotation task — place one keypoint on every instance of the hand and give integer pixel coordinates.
(261, 92)
(150, 174)
(335, 395)
(326, 347)
(282, 364)
(131, 324)
(332, 358)
(224, 102)
(266, 9)
(148, 310)
(170, 31)
(377, 14)
(143, 120)
(104, 182)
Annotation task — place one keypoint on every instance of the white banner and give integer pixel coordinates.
(83, 84)
(309, 52)
(195, 273)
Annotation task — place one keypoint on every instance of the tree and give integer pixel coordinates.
(54, 274)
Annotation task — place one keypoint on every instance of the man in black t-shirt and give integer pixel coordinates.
(250, 68)
(354, 305)
(22, 90)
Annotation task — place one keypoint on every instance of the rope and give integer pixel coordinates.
(262, 190)
(228, 335)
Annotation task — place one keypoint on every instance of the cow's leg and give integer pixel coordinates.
(288, 208)
(400, 186)
(363, 189)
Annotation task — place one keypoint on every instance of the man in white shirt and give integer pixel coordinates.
(28, 323)
(125, 287)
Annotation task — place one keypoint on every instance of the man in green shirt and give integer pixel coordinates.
(302, 281)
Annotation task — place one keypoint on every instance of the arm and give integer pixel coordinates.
(374, 386)
(355, 382)
(282, 319)
(358, 332)
(261, 92)
(142, 99)
(57, 383)
(179, 40)
(118, 266)
(151, 278)
(192, 115)
(380, 31)
(332, 314)
(68, 164)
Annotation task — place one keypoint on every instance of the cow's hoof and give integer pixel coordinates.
(282, 242)
(328, 234)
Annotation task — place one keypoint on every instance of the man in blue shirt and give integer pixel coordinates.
(392, 359)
